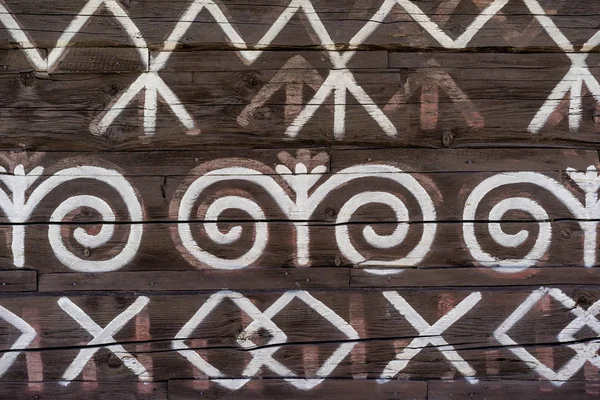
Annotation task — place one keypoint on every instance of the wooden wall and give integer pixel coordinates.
(299, 199)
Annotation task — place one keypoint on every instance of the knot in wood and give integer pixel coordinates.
(114, 361)
(447, 138)
(565, 233)
(27, 78)
(330, 213)
(584, 299)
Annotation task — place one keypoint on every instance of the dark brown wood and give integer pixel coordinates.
(169, 280)
(438, 390)
(460, 82)
(18, 281)
(277, 389)
(310, 339)
(89, 390)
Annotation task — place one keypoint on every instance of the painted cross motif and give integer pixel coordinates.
(584, 351)
(430, 334)
(264, 356)
(103, 337)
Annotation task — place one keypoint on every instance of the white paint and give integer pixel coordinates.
(45, 65)
(582, 213)
(264, 355)
(22, 342)
(430, 26)
(18, 209)
(572, 83)
(584, 352)
(300, 210)
(103, 338)
(153, 86)
(296, 73)
(430, 334)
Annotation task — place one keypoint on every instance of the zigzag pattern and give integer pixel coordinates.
(338, 83)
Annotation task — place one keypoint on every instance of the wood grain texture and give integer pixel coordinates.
(310, 338)
(466, 267)
(277, 389)
(501, 390)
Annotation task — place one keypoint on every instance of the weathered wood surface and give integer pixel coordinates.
(280, 390)
(489, 73)
(401, 199)
(451, 215)
(358, 333)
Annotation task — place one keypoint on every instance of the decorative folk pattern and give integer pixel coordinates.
(264, 355)
(298, 186)
(300, 182)
(21, 198)
(338, 84)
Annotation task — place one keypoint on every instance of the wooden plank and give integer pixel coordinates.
(479, 106)
(278, 389)
(13, 61)
(314, 331)
(471, 277)
(168, 280)
(161, 178)
(91, 390)
(18, 281)
(438, 390)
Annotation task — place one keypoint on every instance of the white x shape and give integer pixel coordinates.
(103, 337)
(430, 334)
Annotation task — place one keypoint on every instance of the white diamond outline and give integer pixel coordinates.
(24, 340)
(178, 343)
(331, 316)
(263, 356)
(573, 366)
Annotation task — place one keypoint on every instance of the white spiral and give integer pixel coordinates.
(213, 213)
(381, 241)
(128, 195)
(524, 204)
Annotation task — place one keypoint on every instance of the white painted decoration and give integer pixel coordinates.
(430, 334)
(103, 338)
(307, 197)
(584, 351)
(263, 356)
(18, 208)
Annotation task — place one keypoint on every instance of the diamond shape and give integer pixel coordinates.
(584, 351)
(338, 322)
(263, 356)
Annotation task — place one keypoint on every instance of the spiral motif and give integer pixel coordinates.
(399, 234)
(234, 234)
(499, 210)
(122, 186)
(216, 209)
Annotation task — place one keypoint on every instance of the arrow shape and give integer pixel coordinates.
(430, 82)
(296, 73)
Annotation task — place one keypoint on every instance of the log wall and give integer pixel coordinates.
(299, 199)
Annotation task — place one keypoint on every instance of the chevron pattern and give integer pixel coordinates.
(337, 84)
